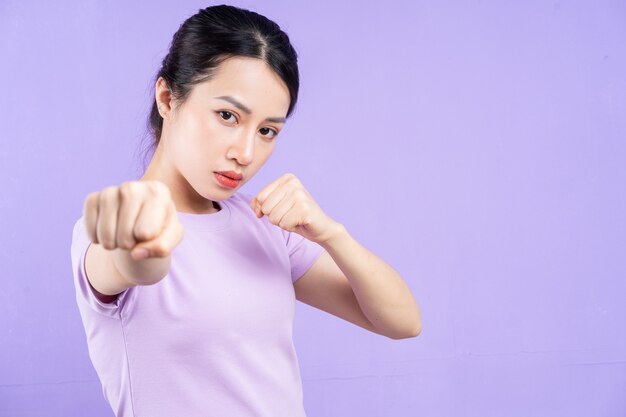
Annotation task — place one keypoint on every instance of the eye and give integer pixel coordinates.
(265, 131)
(228, 116)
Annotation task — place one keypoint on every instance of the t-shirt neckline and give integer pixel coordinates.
(207, 221)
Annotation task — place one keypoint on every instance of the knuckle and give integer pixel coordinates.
(142, 233)
(109, 194)
(90, 201)
(126, 243)
(127, 189)
(292, 179)
(305, 207)
(145, 231)
(155, 188)
(92, 197)
(108, 244)
(161, 185)
(164, 190)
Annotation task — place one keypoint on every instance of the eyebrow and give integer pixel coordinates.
(246, 110)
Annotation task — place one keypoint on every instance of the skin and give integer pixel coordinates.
(347, 280)
(232, 122)
(197, 139)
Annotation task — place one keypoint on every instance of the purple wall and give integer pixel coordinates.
(479, 149)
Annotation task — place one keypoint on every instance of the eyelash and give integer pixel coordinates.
(233, 115)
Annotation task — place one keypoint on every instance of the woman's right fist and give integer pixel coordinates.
(135, 216)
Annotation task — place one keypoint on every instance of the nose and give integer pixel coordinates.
(242, 149)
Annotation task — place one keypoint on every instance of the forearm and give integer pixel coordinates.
(382, 294)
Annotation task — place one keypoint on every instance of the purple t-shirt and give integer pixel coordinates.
(214, 336)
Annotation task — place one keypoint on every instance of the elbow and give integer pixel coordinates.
(413, 332)
(412, 328)
(417, 330)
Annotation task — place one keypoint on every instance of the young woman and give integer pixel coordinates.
(187, 286)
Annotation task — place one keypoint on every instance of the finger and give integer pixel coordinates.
(275, 197)
(256, 207)
(267, 190)
(107, 217)
(292, 220)
(130, 203)
(90, 216)
(278, 216)
(163, 244)
(151, 220)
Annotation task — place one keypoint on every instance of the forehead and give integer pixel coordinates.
(251, 81)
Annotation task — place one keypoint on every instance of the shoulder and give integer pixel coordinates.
(240, 198)
(243, 196)
(239, 202)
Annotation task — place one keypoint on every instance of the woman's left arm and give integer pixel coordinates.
(350, 282)
(382, 294)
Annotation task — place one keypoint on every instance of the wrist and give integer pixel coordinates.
(335, 233)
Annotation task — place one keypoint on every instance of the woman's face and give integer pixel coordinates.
(228, 123)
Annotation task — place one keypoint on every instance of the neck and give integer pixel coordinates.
(185, 198)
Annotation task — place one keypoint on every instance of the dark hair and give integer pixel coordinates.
(212, 35)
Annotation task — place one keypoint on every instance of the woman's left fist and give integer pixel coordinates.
(289, 205)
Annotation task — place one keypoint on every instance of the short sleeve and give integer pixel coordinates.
(302, 253)
(85, 296)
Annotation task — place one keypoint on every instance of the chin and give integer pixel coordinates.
(221, 194)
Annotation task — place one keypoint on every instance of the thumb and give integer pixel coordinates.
(256, 207)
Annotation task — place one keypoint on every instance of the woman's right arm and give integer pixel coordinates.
(110, 272)
(121, 221)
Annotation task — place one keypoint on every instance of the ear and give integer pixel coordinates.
(163, 96)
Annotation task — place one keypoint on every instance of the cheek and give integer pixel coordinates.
(262, 152)
(193, 148)
(217, 133)
(207, 135)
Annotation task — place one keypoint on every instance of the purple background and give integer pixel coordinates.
(478, 147)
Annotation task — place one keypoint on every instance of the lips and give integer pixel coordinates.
(231, 174)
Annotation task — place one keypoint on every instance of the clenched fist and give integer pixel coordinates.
(139, 216)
